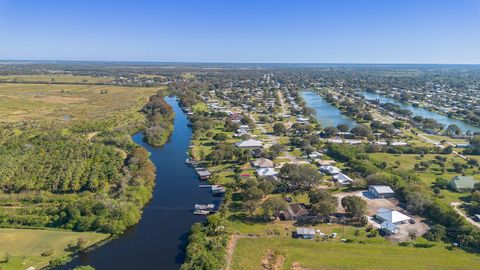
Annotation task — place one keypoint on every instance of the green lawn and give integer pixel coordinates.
(25, 246)
(330, 255)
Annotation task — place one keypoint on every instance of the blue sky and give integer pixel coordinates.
(322, 31)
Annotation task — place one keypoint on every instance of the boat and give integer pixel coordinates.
(209, 206)
(218, 190)
(201, 212)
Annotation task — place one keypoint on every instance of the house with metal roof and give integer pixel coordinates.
(392, 216)
(381, 191)
(305, 233)
(462, 183)
(249, 144)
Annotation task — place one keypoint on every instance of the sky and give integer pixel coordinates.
(244, 31)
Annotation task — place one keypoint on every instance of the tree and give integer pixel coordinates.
(354, 206)
(220, 136)
(279, 129)
(266, 187)
(361, 131)
(324, 208)
(299, 177)
(436, 233)
(342, 127)
(417, 202)
(453, 130)
(274, 205)
(316, 196)
(330, 131)
(250, 206)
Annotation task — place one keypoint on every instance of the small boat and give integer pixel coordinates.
(218, 189)
(201, 212)
(204, 206)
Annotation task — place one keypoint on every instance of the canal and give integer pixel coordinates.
(159, 239)
(326, 113)
(422, 112)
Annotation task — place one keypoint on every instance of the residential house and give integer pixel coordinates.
(331, 170)
(343, 179)
(462, 183)
(392, 216)
(294, 211)
(249, 144)
(262, 163)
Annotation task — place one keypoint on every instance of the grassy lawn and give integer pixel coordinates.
(25, 246)
(408, 161)
(332, 255)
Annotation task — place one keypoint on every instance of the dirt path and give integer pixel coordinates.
(455, 206)
(282, 102)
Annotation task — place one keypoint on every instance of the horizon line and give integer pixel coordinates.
(234, 62)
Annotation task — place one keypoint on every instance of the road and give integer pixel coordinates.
(455, 206)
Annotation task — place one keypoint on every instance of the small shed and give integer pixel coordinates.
(305, 233)
(389, 228)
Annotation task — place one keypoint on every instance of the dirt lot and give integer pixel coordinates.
(374, 204)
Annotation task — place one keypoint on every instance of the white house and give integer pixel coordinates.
(342, 179)
(264, 172)
(250, 144)
(389, 228)
(391, 216)
(381, 191)
(330, 170)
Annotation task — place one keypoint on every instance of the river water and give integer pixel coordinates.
(159, 239)
(326, 113)
(422, 112)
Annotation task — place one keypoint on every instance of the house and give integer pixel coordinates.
(330, 170)
(320, 162)
(342, 179)
(314, 155)
(262, 163)
(462, 183)
(249, 144)
(294, 211)
(305, 233)
(381, 191)
(389, 228)
(264, 172)
(392, 216)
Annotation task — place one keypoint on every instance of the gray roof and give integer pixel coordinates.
(461, 182)
(382, 189)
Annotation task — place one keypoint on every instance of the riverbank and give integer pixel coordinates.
(161, 234)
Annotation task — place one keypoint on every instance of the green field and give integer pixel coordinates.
(408, 161)
(77, 102)
(55, 78)
(25, 247)
(310, 254)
